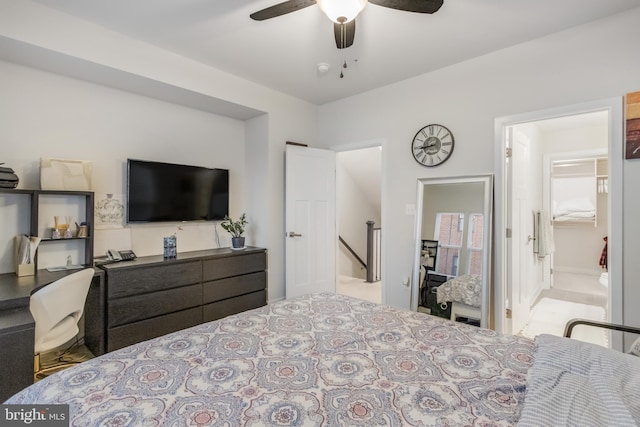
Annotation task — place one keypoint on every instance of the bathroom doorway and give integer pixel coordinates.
(590, 132)
(569, 160)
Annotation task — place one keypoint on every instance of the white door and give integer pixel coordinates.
(310, 224)
(520, 220)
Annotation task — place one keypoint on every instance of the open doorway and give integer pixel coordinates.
(564, 271)
(359, 207)
(524, 188)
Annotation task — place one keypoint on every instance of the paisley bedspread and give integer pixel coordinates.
(318, 360)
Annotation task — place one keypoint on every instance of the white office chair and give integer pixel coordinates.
(57, 309)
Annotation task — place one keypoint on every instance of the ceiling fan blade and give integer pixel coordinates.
(419, 6)
(344, 34)
(281, 9)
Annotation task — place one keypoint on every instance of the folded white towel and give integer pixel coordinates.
(544, 239)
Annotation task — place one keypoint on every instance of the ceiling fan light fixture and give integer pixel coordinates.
(342, 11)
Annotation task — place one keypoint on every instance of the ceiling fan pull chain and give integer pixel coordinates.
(343, 40)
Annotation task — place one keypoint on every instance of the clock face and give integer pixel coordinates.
(432, 145)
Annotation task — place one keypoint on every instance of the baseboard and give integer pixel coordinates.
(271, 301)
(573, 270)
(533, 300)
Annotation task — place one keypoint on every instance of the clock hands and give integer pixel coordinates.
(427, 145)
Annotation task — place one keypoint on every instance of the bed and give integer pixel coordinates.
(318, 360)
(464, 293)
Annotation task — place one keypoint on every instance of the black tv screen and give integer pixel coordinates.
(159, 192)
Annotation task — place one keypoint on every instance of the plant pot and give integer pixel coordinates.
(237, 242)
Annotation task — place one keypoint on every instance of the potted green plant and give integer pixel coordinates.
(236, 229)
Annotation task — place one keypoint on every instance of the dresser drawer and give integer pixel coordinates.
(233, 286)
(133, 333)
(224, 308)
(220, 268)
(135, 281)
(139, 307)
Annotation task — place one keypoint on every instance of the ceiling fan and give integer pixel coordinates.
(344, 12)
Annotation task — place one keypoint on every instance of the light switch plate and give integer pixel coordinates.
(410, 209)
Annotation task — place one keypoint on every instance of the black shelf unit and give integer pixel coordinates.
(35, 210)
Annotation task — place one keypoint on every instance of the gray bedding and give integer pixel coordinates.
(573, 383)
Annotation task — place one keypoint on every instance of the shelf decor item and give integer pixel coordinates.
(236, 229)
(61, 230)
(25, 248)
(8, 178)
(82, 229)
(59, 174)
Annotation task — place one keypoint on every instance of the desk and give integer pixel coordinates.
(134, 301)
(17, 326)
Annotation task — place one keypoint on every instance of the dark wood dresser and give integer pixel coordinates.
(152, 296)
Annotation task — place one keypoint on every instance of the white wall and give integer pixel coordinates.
(552, 71)
(54, 116)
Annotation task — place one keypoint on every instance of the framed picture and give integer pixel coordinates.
(109, 211)
(429, 254)
(632, 116)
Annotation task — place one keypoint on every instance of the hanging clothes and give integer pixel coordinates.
(603, 255)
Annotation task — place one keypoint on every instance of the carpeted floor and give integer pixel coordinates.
(549, 316)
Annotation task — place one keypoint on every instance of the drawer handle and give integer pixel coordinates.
(292, 234)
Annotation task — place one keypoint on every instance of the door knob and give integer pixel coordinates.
(292, 234)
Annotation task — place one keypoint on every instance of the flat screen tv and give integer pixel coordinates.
(163, 192)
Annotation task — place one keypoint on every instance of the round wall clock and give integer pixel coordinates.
(432, 145)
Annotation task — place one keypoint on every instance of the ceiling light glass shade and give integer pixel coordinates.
(342, 11)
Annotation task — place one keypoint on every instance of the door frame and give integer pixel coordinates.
(614, 106)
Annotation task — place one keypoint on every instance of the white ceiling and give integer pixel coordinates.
(283, 52)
